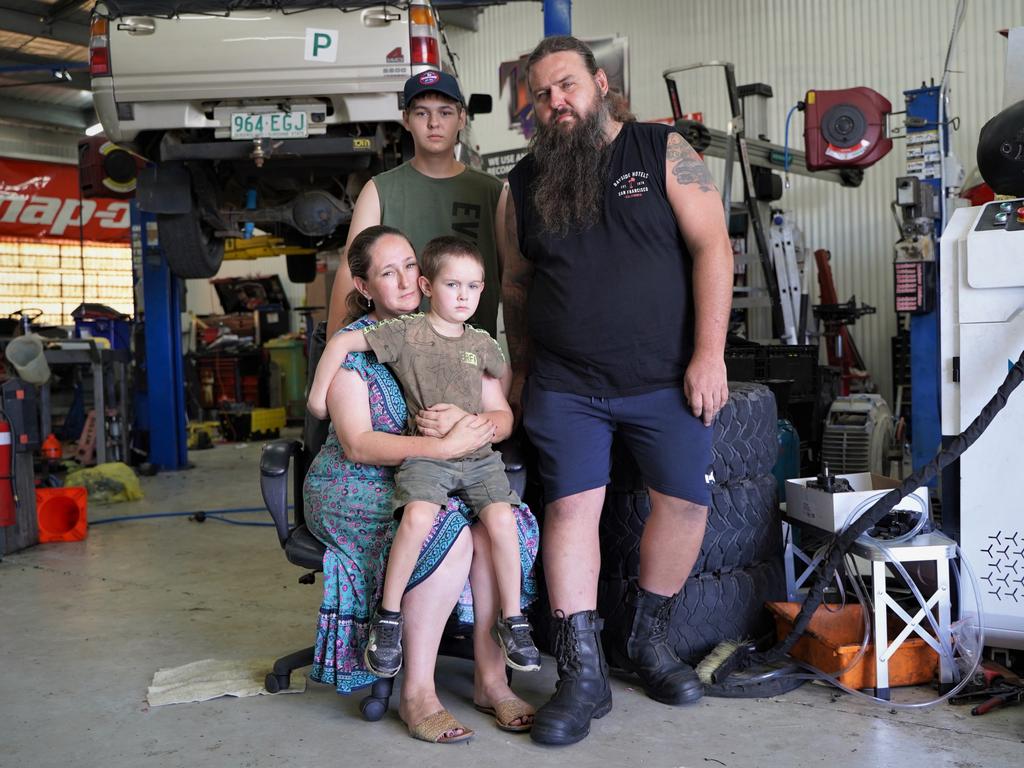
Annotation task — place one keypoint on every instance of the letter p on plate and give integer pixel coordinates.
(321, 45)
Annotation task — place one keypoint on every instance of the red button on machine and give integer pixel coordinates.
(1020, 215)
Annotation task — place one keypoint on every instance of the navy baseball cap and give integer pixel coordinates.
(433, 81)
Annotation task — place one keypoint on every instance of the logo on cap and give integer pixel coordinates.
(429, 77)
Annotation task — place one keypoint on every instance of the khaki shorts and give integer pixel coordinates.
(478, 482)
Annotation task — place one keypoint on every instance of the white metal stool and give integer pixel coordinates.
(928, 547)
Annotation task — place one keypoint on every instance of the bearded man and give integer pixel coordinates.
(617, 290)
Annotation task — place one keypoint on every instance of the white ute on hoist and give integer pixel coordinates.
(268, 113)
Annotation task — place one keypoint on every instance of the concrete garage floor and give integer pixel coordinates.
(86, 625)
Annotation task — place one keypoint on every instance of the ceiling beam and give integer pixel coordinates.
(18, 58)
(34, 112)
(79, 80)
(79, 75)
(61, 8)
(33, 24)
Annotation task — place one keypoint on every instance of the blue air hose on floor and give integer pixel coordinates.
(199, 516)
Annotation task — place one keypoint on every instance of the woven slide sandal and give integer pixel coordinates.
(433, 728)
(506, 712)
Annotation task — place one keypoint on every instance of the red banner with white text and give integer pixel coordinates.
(41, 200)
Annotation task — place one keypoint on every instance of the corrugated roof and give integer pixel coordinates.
(20, 49)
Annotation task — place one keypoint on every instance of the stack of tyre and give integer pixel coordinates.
(740, 563)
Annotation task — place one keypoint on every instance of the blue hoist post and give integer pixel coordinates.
(923, 115)
(165, 375)
(557, 17)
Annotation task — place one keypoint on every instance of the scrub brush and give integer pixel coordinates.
(735, 670)
(724, 659)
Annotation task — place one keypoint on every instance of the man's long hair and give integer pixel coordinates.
(572, 167)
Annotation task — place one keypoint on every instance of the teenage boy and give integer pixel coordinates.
(439, 359)
(431, 194)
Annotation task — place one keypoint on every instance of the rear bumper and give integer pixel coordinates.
(316, 146)
(124, 120)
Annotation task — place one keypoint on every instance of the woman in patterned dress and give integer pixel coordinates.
(347, 496)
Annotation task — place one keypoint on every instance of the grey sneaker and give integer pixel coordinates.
(383, 655)
(513, 637)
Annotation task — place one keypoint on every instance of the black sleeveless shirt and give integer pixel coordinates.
(610, 309)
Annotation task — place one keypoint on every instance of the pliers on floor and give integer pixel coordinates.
(1012, 694)
(998, 685)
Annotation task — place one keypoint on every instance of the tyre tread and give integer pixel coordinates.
(745, 442)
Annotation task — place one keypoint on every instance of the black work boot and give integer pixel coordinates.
(582, 691)
(665, 677)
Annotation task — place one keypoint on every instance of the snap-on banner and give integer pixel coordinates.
(41, 200)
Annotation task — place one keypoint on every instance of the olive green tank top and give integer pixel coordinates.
(424, 208)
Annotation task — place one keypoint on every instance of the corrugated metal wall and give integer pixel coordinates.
(793, 45)
(37, 143)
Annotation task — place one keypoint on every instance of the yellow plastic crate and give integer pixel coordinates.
(266, 420)
(252, 424)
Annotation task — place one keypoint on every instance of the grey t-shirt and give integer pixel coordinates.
(436, 369)
(424, 208)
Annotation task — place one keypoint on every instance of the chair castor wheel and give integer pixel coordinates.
(274, 683)
(373, 709)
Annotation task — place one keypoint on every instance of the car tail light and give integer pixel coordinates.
(424, 48)
(99, 51)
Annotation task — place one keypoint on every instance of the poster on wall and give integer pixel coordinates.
(612, 55)
(500, 163)
(42, 200)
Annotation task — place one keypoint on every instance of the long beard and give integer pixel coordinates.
(572, 168)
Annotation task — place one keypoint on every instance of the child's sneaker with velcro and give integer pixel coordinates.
(383, 655)
(513, 637)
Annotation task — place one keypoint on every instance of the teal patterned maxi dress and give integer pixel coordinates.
(348, 507)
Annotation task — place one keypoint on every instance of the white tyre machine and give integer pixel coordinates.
(981, 276)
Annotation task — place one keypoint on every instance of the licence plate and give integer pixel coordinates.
(273, 125)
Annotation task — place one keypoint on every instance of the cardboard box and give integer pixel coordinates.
(834, 511)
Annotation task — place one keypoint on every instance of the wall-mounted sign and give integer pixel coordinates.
(42, 200)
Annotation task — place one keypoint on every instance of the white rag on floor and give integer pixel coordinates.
(211, 678)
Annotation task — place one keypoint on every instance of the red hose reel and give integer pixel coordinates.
(845, 128)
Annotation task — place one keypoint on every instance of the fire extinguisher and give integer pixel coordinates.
(7, 495)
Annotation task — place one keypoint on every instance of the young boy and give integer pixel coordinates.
(439, 359)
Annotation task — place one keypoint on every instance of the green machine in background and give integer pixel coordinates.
(288, 356)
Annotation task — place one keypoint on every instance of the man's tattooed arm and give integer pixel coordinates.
(687, 167)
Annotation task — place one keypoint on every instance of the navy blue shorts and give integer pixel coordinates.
(573, 435)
